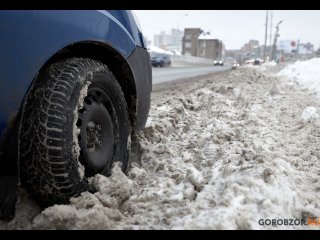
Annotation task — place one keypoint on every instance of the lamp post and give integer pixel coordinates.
(274, 47)
(270, 43)
(178, 38)
(265, 38)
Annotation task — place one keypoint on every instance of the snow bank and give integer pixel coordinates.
(305, 73)
(220, 153)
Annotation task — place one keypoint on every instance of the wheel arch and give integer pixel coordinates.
(113, 59)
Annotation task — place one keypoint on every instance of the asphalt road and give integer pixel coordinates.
(167, 74)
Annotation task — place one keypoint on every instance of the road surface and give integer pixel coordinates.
(167, 74)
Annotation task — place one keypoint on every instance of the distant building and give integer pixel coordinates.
(251, 49)
(209, 46)
(223, 52)
(250, 46)
(190, 41)
(305, 48)
(260, 52)
(198, 43)
(147, 41)
(235, 54)
(169, 41)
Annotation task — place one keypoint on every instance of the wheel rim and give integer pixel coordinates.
(96, 138)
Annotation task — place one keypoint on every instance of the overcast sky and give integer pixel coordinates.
(235, 27)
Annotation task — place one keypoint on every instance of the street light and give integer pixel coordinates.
(178, 38)
(276, 35)
(265, 38)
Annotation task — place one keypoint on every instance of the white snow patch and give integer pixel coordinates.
(309, 115)
(195, 178)
(271, 63)
(306, 73)
(164, 108)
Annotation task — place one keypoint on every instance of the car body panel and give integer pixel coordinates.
(24, 51)
(138, 61)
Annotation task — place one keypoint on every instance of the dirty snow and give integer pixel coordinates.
(219, 153)
(76, 130)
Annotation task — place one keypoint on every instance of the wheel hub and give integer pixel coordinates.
(96, 138)
(93, 136)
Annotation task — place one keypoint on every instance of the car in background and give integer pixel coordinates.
(254, 61)
(160, 60)
(218, 62)
(75, 86)
(257, 61)
(235, 65)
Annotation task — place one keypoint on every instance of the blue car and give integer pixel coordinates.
(159, 59)
(75, 86)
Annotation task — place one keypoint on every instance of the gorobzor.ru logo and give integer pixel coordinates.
(282, 222)
(289, 222)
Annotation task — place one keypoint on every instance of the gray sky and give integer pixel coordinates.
(235, 27)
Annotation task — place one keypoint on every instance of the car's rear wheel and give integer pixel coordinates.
(68, 96)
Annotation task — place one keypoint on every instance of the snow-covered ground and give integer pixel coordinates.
(306, 73)
(219, 153)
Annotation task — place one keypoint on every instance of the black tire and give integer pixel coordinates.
(48, 139)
